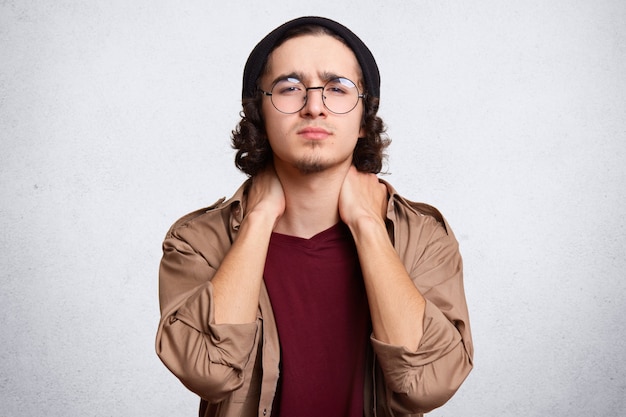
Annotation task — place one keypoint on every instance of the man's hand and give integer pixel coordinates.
(266, 195)
(362, 196)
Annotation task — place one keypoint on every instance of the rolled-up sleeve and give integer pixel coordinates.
(419, 381)
(208, 359)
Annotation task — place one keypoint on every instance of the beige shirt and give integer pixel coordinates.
(235, 368)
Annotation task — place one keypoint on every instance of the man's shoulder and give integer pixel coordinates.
(417, 210)
(421, 212)
(423, 209)
(220, 211)
(189, 218)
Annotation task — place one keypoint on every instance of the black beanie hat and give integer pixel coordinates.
(258, 56)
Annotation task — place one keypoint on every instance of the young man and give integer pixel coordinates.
(316, 289)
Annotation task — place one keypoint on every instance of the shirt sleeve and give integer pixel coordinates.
(419, 381)
(208, 359)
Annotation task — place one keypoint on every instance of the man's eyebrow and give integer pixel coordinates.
(327, 76)
(324, 76)
(297, 75)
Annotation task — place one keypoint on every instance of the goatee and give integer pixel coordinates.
(310, 167)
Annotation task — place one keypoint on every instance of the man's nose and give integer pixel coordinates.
(314, 104)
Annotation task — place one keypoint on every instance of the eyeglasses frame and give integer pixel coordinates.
(306, 96)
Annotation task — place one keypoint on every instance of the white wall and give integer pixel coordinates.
(115, 120)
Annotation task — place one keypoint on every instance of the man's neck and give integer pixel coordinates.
(312, 202)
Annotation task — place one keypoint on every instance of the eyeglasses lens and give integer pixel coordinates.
(340, 95)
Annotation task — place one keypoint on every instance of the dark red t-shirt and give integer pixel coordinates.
(318, 297)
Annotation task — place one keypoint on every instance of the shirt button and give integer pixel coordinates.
(265, 411)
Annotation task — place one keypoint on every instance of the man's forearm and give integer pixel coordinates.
(396, 305)
(237, 282)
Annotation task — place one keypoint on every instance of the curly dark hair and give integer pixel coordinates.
(249, 138)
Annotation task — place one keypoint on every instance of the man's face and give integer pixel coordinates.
(313, 139)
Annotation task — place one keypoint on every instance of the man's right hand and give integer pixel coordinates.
(266, 196)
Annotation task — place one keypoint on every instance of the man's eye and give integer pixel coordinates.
(289, 89)
(336, 90)
(340, 86)
(289, 86)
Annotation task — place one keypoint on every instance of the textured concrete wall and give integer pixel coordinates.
(115, 119)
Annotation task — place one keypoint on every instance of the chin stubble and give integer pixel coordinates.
(310, 167)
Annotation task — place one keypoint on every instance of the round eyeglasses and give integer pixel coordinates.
(289, 95)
